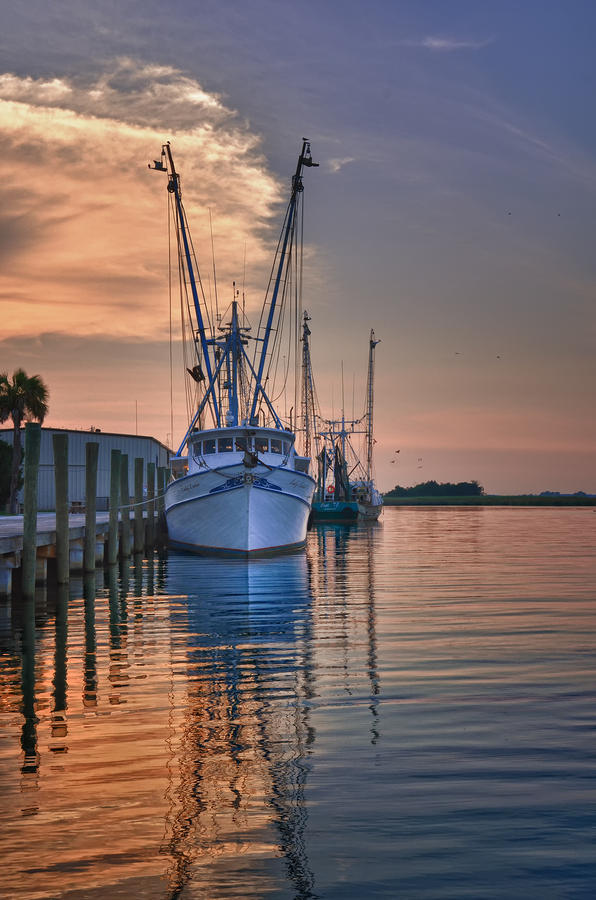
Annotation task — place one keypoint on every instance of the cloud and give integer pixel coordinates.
(448, 44)
(100, 379)
(87, 221)
(336, 164)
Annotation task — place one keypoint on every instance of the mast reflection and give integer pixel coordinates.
(343, 565)
(245, 739)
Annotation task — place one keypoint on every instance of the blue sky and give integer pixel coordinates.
(454, 210)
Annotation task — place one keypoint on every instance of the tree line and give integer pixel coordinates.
(438, 489)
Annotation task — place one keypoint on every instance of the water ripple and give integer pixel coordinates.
(404, 710)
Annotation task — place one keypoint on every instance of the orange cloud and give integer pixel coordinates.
(83, 221)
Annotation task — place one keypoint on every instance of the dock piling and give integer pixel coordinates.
(139, 536)
(114, 497)
(150, 504)
(32, 445)
(125, 507)
(91, 454)
(60, 442)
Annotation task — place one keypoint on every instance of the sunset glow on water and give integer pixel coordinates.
(402, 710)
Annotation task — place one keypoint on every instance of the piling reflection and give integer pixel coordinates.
(307, 726)
(58, 724)
(90, 656)
(223, 663)
(30, 764)
(117, 673)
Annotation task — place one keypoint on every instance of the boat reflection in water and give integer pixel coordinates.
(166, 714)
(240, 755)
(373, 717)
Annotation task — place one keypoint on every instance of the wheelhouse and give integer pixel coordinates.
(232, 446)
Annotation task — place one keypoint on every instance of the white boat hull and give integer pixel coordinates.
(239, 511)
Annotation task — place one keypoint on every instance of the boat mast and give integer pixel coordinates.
(305, 159)
(308, 389)
(186, 257)
(370, 405)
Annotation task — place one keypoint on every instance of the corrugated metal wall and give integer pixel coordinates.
(147, 448)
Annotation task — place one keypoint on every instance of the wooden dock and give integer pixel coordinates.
(78, 540)
(11, 543)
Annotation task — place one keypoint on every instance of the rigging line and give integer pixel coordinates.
(299, 252)
(285, 372)
(269, 283)
(294, 307)
(198, 272)
(286, 290)
(189, 359)
(277, 344)
(185, 356)
(169, 213)
(214, 272)
(243, 276)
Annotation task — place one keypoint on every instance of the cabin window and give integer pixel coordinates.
(209, 446)
(197, 448)
(241, 444)
(275, 445)
(301, 465)
(225, 445)
(262, 445)
(286, 446)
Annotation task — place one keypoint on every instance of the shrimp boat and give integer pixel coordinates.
(238, 487)
(346, 490)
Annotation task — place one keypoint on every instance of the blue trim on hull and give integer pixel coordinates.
(219, 469)
(278, 493)
(335, 511)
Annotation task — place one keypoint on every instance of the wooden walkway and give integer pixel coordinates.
(11, 543)
(11, 530)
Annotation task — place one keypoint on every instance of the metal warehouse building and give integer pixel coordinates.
(149, 449)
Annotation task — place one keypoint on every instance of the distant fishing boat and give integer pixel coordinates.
(240, 488)
(346, 490)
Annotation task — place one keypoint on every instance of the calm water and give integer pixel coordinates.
(405, 710)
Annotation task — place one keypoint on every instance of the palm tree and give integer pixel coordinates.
(25, 398)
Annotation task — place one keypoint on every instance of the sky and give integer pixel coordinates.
(454, 211)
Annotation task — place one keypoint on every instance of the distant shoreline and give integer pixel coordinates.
(491, 500)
